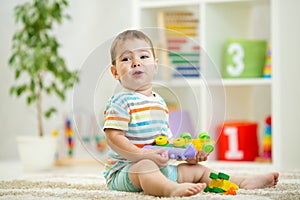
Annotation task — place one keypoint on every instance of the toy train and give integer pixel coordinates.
(184, 147)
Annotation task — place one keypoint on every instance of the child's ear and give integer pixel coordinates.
(114, 72)
(156, 65)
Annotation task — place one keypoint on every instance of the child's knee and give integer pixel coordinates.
(143, 166)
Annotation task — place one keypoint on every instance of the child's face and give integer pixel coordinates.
(135, 65)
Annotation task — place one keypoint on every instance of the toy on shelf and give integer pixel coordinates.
(184, 147)
(238, 141)
(266, 155)
(267, 142)
(268, 67)
(220, 184)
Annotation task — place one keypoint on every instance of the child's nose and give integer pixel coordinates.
(136, 63)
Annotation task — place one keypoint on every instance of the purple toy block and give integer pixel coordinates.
(177, 152)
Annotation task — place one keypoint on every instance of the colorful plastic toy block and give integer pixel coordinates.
(220, 184)
(184, 147)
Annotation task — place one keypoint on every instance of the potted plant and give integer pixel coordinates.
(38, 67)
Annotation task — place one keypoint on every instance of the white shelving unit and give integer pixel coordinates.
(245, 99)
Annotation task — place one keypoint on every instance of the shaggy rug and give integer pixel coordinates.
(92, 186)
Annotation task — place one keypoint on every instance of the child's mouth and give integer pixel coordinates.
(137, 72)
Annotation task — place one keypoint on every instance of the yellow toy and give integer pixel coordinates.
(161, 140)
(202, 143)
(220, 184)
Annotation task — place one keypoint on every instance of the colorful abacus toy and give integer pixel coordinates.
(181, 32)
(100, 143)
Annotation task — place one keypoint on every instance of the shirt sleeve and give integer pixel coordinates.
(116, 116)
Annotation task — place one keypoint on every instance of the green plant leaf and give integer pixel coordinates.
(49, 112)
(17, 74)
(12, 90)
(21, 89)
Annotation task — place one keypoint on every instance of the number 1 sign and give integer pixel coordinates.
(238, 141)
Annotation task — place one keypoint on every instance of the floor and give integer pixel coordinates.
(10, 170)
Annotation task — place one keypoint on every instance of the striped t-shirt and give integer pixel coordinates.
(142, 118)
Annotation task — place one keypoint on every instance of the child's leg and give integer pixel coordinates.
(257, 181)
(190, 173)
(146, 175)
(200, 174)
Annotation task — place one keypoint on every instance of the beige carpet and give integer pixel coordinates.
(92, 186)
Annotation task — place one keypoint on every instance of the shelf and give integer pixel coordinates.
(167, 3)
(247, 82)
(235, 1)
(180, 82)
(209, 96)
(195, 82)
(175, 3)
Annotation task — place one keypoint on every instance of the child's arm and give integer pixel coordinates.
(121, 145)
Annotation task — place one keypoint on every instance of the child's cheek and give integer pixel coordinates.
(123, 71)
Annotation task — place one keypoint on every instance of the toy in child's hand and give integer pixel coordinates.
(184, 147)
(204, 143)
(176, 152)
(220, 184)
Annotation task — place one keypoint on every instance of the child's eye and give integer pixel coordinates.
(144, 56)
(125, 59)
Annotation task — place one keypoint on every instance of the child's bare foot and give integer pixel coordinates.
(260, 181)
(187, 189)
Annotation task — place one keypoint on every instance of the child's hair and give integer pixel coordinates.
(128, 34)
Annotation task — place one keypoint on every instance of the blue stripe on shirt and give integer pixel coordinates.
(145, 123)
(147, 130)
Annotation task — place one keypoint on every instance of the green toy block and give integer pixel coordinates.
(244, 58)
(186, 135)
(213, 175)
(204, 135)
(217, 190)
(207, 147)
(220, 184)
(223, 176)
(208, 189)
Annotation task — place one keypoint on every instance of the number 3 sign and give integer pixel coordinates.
(244, 58)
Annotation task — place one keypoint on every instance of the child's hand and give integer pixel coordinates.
(159, 156)
(198, 158)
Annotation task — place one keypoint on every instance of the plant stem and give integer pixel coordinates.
(39, 111)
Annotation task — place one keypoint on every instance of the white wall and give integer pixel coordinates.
(286, 92)
(92, 23)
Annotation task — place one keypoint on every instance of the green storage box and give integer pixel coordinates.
(244, 58)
